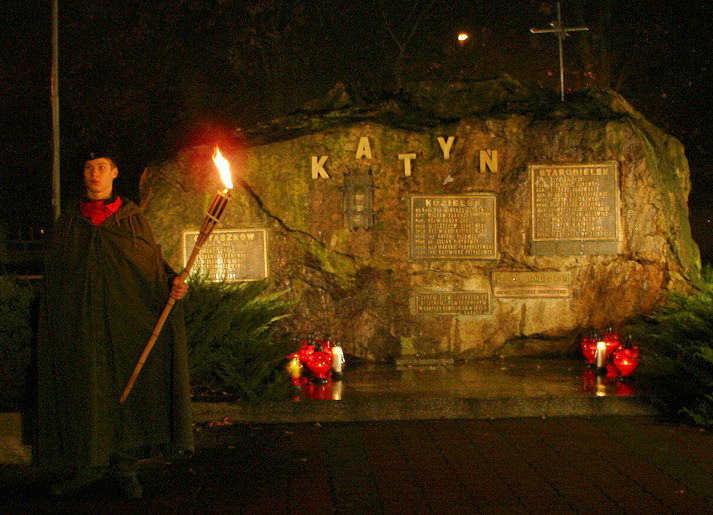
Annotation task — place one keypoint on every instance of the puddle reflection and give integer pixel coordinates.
(473, 379)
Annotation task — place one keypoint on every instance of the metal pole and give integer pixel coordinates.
(561, 32)
(560, 38)
(54, 92)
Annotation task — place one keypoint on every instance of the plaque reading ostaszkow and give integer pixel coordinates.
(517, 284)
(575, 209)
(453, 226)
(452, 303)
(230, 254)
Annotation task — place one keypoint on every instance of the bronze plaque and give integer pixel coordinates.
(575, 209)
(230, 254)
(531, 284)
(453, 226)
(452, 303)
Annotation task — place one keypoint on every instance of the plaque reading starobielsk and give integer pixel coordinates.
(453, 226)
(452, 303)
(575, 209)
(230, 254)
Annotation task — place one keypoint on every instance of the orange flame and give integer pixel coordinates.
(224, 168)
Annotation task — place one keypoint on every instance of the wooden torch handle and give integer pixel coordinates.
(157, 328)
(217, 206)
(154, 336)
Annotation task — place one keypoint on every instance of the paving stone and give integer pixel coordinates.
(570, 464)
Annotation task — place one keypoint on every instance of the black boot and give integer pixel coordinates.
(82, 478)
(127, 480)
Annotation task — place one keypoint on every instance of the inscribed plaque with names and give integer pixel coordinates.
(575, 209)
(231, 255)
(452, 303)
(453, 226)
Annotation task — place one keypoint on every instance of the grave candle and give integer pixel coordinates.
(601, 354)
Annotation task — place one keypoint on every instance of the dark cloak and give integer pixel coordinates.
(104, 290)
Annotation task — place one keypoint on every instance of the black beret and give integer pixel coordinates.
(99, 151)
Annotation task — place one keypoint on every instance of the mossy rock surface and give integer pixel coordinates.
(359, 285)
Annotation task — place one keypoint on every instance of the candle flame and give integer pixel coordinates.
(224, 168)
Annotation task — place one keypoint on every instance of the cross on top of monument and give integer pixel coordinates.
(559, 30)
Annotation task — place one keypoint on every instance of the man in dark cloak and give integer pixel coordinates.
(105, 286)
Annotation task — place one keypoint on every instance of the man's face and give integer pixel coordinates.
(99, 175)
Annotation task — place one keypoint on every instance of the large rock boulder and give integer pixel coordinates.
(443, 139)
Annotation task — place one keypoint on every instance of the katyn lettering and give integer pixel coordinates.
(407, 161)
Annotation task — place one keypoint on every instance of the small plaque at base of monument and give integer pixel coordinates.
(527, 284)
(230, 255)
(575, 209)
(452, 303)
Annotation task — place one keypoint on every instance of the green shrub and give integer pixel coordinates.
(676, 343)
(16, 297)
(234, 344)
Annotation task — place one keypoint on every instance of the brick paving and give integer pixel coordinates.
(587, 465)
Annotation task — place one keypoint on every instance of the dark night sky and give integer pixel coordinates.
(156, 76)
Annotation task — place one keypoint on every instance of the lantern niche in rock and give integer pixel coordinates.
(358, 201)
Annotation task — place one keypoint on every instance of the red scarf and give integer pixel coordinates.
(99, 210)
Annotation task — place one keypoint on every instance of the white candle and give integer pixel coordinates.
(601, 354)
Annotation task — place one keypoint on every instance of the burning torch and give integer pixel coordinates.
(212, 217)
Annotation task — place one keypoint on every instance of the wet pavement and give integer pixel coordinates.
(529, 387)
(476, 453)
(597, 465)
(516, 377)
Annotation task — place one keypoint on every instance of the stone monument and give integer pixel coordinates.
(465, 219)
